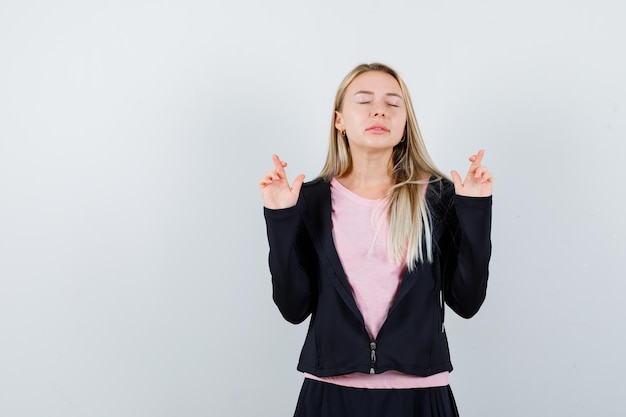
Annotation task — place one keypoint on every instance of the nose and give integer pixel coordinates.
(378, 110)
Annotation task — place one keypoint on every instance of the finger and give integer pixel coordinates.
(267, 179)
(272, 176)
(297, 184)
(480, 171)
(488, 177)
(456, 178)
(279, 168)
(476, 160)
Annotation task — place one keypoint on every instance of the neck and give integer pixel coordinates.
(370, 175)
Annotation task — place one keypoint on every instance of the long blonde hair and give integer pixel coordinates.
(410, 225)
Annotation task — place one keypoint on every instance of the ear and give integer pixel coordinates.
(339, 121)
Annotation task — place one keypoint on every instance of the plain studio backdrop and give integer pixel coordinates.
(133, 256)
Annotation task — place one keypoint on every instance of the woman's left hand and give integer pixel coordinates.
(478, 181)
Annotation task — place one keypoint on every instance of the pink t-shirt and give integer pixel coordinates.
(360, 228)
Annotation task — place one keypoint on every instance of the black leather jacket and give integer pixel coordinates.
(308, 279)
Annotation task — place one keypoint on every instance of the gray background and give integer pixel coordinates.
(133, 276)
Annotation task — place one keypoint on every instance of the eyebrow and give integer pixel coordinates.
(372, 93)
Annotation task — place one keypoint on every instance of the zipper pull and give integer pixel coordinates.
(442, 304)
(373, 356)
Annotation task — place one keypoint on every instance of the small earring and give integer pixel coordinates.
(402, 140)
(343, 133)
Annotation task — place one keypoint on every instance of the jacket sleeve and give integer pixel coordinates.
(293, 291)
(467, 253)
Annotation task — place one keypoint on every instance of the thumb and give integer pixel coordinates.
(456, 178)
(297, 184)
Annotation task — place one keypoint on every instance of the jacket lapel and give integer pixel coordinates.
(316, 215)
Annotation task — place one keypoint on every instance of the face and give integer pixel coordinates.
(373, 113)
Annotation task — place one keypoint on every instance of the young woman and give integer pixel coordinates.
(372, 251)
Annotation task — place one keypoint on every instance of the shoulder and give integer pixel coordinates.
(315, 187)
(316, 183)
(440, 198)
(440, 190)
(314, 193)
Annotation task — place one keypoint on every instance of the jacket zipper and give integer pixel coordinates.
(442, 305)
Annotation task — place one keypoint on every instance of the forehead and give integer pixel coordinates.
(376, 82)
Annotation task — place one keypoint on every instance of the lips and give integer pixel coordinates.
(378, 128)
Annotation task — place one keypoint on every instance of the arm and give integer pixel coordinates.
(292, 289)
(467, 254)
(468, 248)
(294, 292)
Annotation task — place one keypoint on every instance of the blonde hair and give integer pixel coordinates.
(410, 225)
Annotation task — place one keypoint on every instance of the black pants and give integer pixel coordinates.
(321, 399)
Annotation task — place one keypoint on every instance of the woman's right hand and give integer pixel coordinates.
(275, 189)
